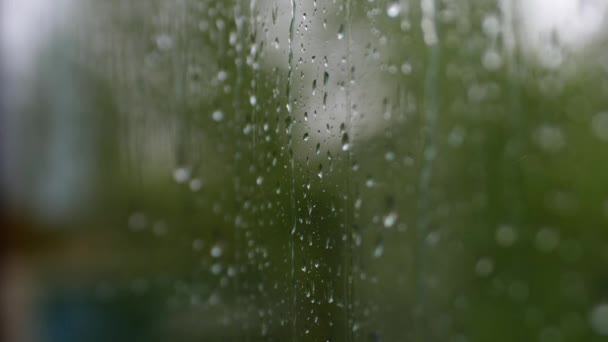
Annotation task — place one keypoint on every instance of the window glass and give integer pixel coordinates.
(326, 170)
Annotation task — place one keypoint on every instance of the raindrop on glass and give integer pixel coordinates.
(393, 10)
(217, 116)
(484, 267)
(216, 251)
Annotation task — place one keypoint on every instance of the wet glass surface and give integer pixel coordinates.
(291, 170)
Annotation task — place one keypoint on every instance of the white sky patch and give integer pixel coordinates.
(568, 25)
(25, 28)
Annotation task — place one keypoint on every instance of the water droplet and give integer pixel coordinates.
(599, 319)
(345, 142)
(181, 174)
(164, 42)
(222, 75)
(197, 244)
(406, 68)
(325, 78)
(253, 100)
(195, 184)
(491, 60)
(305, 137)
(484, 267)
(137, 221)
(550, 138)
(393, 10)
(341, 31)
(505, 235)
(491, 26)
(370, 182)
(216, 268)
(547, 240)
(217, 116)
(159, 228)
(379, 250)
(390, 219)
(599, 125)
(216, 251)
(259, 180)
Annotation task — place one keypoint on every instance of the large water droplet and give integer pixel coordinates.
(345, 142)
(341, 31)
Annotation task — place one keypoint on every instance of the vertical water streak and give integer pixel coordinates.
(348, 257)
(431, 111)
(292, 162)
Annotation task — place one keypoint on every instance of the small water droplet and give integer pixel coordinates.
(164, 42)
(370, 181)
(550, 138)
(379, 250)
(195, 184)
(217, 116)
(181, 174)
(491, 60)
(599, 125)
(390, 219)
(325, 78)
(137, 221)
(222, 75)
(505, 235)
(491, 26)
(406, 68)
(198, 244)
(216, 268)
(393, 10)
(547, 240)
(599, 319)
(216, 251)
(259, 180)
(484, 267)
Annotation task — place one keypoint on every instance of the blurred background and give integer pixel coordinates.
(326, 170)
